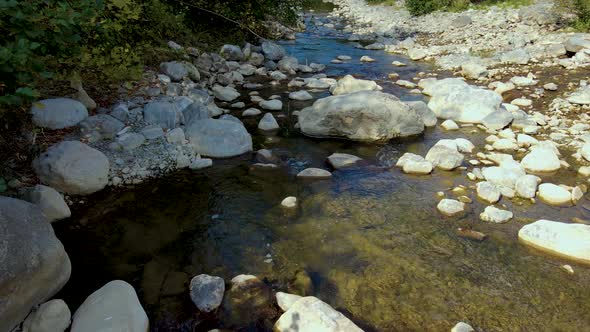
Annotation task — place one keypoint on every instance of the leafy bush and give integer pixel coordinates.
(423, 7)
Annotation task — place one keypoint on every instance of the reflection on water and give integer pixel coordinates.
(368, 241)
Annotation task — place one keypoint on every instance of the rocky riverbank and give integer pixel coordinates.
(194, 112)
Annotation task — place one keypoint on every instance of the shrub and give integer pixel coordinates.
(423, 7)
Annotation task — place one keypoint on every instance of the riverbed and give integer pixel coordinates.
(368, 241)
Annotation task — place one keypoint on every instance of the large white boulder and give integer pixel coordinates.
(310, 314)
(566, 240)
(463, 103)
(541, 159)
(33, 263)
(113, 308)
(73, 168)
(360, 116)
(58, 113)
(349, 84)
(219, 138)
(444, 157)
(554, 194)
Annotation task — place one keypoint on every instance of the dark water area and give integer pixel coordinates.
(369, 241)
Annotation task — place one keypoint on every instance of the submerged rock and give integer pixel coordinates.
(360, 116)
(309, 314)
(33, 263)
(207, 292)
(342, 160)
(567, 240)
(314, 173)
(495, 215)
(114, 307)
(450, 207)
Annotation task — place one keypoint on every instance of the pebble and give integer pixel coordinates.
(289, 202)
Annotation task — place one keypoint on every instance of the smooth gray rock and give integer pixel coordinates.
(163, 113)
(360, 116)
(231, 52)
(518, 57)
(114, 307)
(225, 93)
(273, 51)
(271, 105)
(33, 263)
(288, 64)
(454, 100)
(218, 138)
(50, 202)
(426, 113)
(104, 125)
(577, 43)
(73, 167)
(152, 132)
(268, 123)
(498, 119)
(444, 157)
(342, 160)
(349, 84)
(58, 113)
(120, 112)
(207, 292)
(51, 316)
(175, 70)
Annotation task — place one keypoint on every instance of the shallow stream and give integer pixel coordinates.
(369, 241)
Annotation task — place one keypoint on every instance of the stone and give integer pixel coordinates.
(231, 53)
(58, 113)
(463, 103)
(462, 327)
(495, 215)
(449, 125)
(33, 263)
(273, 51)
(450, 207)
(526, 186)
(288, 64)
(541, 159)
(104, 125)
(225, 93)
(51, 316)
(130, 141)
(571, 241)
(114, 307)
(200, 163)
(503, 176)
(271, 105)
(175, 136)
(278, 76)
(349, 84)
(207, 292)
(50, 202)
(152, 132)
(342, 160)
(420, 167)
(361, 116)
(366, 58)
(289, 202)
(518, 57)
(73, 167)
(417, 54)
(505, 144)
(581, 96)
(550, 87)
(554, 195)
(251, 112)
(444, 157)
(461, 22)
(247, 295)
(474, 70)
(426, 113)
(268, 123)
(300, 95)
(309, 314)
(219, 138)
(314, 173)
(464, 145)
(163, 113)
(577, 43)
(175, 70)
(286, 301)
(488, 192)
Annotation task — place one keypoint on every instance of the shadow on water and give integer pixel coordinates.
(368, 241)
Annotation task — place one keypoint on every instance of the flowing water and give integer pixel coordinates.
(369, 241)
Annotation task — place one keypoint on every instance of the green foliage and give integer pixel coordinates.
(423, 7)
(109, 39)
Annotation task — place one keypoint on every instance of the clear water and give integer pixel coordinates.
(368, 241)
